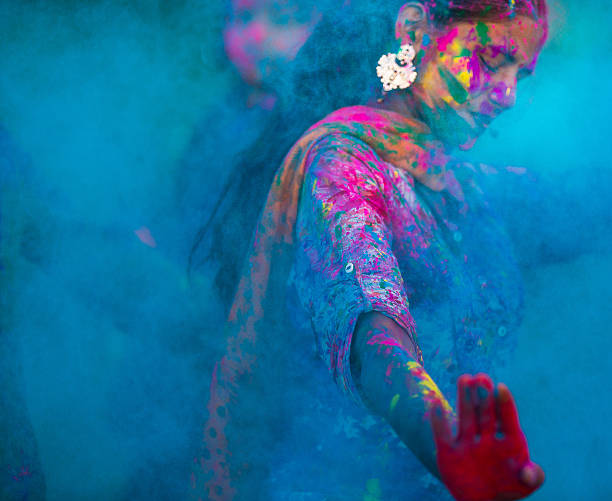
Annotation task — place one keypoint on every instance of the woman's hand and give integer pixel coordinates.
(488, 460)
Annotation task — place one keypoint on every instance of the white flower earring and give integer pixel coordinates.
(396, 71)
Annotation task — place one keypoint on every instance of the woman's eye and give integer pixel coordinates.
(491, 69)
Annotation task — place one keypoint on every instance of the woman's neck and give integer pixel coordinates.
(397, 103)
(443, 124)
(410, 104)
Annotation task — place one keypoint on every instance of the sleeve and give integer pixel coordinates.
(344, 260)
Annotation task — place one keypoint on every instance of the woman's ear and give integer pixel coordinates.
(411, 24)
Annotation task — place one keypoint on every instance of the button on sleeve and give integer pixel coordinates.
(344, 263)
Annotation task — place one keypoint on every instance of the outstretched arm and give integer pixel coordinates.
(488, 459)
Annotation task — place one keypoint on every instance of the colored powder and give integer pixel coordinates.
(456, 90)
(483, 33)
(465, 78)
(394, 402)
(447, 39)
(373, 490)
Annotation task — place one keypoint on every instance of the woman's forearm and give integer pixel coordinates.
(393, 384)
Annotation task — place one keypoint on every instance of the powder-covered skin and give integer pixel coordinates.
(468, 74)
(261, 36)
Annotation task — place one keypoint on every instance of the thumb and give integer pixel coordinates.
(440, 425)
(532, 475)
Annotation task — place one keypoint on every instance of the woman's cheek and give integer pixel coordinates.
(243, 46)
(455, 69)
(461, 69)
(434, 85)
(285, 42)
(454, 82)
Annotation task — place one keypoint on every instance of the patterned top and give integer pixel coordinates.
(371, 238)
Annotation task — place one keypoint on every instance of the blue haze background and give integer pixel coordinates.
(103, 99)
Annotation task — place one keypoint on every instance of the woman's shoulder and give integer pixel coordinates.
(340, 152)
(341, 144)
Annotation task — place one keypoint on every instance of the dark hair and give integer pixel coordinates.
(332, 70)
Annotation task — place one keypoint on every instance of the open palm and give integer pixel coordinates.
(488, 460)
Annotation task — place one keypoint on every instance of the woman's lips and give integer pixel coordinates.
(487, 112)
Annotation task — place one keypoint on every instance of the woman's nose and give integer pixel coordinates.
(504, 94)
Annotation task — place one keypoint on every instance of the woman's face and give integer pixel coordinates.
(470, 70)
(262, 35)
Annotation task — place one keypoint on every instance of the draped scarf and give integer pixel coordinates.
(240, 403)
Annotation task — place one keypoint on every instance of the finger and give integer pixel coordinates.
(467, 416)
(486, 404)
(440, 425)
(532, 475)
(508, 415)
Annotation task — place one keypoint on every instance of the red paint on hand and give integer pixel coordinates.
(488, 460)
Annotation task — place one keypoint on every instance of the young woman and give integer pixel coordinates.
(378, 253)
(260, 39)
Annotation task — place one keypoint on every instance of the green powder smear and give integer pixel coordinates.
(394, 402)
(457, 91)
(483, 33)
